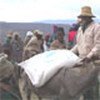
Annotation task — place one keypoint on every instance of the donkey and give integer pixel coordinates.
(66, 84)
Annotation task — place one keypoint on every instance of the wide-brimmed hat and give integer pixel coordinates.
(86, 12)
(38, 32)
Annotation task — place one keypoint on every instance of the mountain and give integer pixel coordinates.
(57, 21)
(97, 20)
(68, 21)
(22, 28)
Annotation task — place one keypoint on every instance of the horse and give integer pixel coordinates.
(66, 84)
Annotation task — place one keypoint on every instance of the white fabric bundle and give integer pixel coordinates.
(42, 67)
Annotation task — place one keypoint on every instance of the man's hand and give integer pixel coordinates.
(86, 60)
(82, 61)
(79, 63)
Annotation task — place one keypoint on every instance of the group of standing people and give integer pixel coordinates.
(35, 42)
(13, 46)
(39, 43)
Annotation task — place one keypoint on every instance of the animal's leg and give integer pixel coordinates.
(33, 96)
(21, 88)
(50, 99)
(81, 97)
(65, 96)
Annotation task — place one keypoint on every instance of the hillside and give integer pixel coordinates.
(22, 28)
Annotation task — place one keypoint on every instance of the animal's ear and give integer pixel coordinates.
(3, 57)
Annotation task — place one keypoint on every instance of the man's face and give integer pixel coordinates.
(84, 20)
(60, 36)
(38, 36)
(79, 20)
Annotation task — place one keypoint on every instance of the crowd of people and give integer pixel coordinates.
(34, 42)
(83, 40)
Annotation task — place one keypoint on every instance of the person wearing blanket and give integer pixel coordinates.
(88, 41)
(34, 46)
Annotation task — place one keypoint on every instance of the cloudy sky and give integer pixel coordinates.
(37, 10)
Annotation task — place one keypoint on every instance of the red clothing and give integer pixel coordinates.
(72, 35)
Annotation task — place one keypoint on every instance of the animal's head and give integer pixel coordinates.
(6, 67)
(3, 57)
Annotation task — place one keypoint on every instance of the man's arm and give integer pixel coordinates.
(74, 49)
(96, 49)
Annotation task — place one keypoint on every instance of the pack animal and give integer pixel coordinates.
(66, 84)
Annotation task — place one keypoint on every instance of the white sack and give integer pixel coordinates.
(42, 67)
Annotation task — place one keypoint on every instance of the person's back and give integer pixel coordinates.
(34, 46)
(17, 47)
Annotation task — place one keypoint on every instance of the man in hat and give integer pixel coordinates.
(88, 41)
(34, 46)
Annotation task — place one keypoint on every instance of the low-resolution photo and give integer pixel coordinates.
(49, 50)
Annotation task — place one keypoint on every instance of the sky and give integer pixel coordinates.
(37, 10)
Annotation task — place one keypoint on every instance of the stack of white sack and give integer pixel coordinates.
(42, 67)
